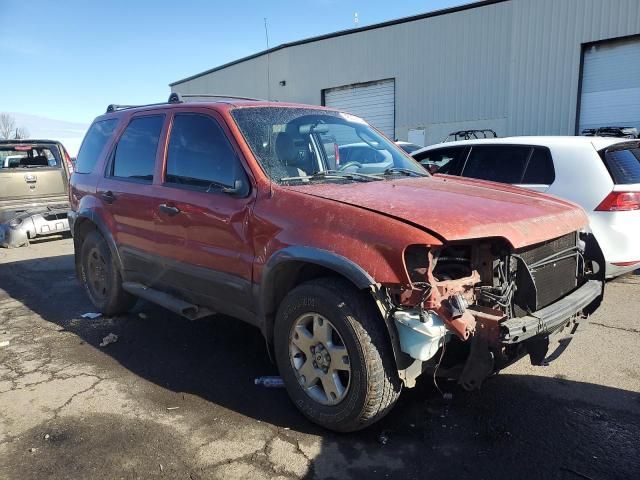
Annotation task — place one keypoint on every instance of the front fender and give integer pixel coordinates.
(307, 255)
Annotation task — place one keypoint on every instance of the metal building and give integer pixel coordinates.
(520, 67)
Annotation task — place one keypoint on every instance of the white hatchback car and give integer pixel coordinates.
(601, 174)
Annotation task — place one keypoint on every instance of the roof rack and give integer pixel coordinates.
(471, 134)
(611, 131)
(178, 98)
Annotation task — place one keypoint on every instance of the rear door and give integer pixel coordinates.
(521, 165)
(198, 210)
(127, 194)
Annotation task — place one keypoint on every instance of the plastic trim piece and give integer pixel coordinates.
(516, 330)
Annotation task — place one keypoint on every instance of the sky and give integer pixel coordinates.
(67, 60)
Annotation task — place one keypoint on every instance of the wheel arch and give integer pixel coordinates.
(85, 222)
(294, 265)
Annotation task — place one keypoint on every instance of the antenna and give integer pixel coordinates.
(356, 20)
(266, 34)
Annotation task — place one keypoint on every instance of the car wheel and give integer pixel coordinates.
(101, 277)
(334, 355)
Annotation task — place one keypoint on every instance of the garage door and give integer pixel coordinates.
(373, 101)
(611, 85)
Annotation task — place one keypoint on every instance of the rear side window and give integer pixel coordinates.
(446, 160)
(540, 169)
(94, 141)
(503, 164)
(199, 154)
(135, 154)
(624, 164)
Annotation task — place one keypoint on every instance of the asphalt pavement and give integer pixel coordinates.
(176, 399)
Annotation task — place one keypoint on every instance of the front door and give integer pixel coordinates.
(205, 205)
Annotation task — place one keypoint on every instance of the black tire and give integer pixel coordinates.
(107, 296)
(374, 385)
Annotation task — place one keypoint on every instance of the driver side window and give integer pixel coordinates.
(199, 154)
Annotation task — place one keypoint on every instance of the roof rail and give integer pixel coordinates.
(173, 98)
(207, 95)
(177, 98)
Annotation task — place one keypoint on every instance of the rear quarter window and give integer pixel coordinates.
(623, 163)
(94, 141)
(540, 169)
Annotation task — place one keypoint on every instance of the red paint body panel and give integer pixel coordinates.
(460, 210)
(375, 243)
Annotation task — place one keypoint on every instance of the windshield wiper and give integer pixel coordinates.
(354, 175)
(333, 175)
(404, 171)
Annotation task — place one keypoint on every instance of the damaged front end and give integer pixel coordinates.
(472, 309)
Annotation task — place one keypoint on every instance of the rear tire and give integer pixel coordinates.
(343, 391)
(100, 275)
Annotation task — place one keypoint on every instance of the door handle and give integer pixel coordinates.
(108, 196)
(169, 210)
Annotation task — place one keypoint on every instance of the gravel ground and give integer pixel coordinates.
(175, 399)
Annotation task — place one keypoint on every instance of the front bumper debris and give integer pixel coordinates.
(497, 341)
(17, 231)
(550, 318)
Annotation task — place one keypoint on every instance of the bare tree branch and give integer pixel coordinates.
(20, 133)
(7, 126)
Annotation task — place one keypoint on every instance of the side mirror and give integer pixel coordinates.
(237, 189)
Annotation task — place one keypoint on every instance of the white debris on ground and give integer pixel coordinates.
(111, 338)
(4, 343)
(91, 315)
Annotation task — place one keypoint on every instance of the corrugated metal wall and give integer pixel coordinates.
(512, 66)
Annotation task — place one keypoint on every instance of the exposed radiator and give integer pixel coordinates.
(553, 266)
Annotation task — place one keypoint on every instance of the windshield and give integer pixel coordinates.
(304, 144)
(28, 156)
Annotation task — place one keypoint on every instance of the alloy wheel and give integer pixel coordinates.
(319, 359)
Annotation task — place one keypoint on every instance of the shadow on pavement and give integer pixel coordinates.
(517, 426)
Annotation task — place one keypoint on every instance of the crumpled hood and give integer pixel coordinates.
(456, 208)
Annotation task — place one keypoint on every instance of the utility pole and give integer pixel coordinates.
(266, 33)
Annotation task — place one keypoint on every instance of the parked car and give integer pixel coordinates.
(360, 282)
(34, 176)
(408, 147)
(600, 174)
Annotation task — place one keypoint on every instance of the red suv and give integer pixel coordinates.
(361, 270)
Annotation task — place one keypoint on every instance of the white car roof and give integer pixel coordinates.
(547, 141)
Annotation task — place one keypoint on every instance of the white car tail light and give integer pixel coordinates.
(620, 202)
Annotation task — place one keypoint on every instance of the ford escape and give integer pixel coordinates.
(361, 270)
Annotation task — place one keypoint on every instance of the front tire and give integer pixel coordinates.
(333, 353)
(101, 277)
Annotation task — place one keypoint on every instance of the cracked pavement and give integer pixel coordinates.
(175, 399)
